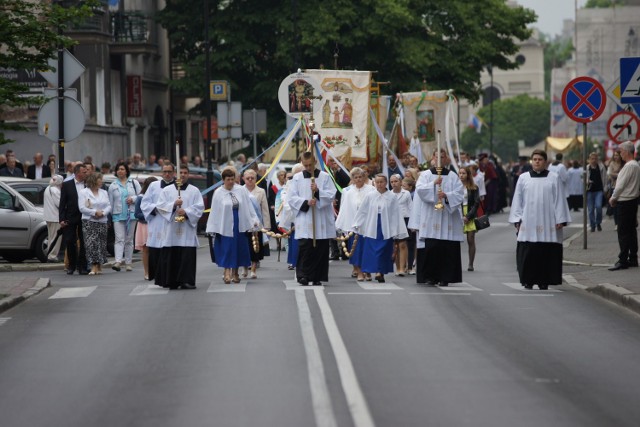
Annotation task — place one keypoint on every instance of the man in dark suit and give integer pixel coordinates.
(71, 220)
(11, 168)
(38, 169)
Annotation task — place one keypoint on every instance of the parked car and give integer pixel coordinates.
(33, 190)
(23, 231)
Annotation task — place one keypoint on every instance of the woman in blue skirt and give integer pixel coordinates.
(379, 221)
(231, 216)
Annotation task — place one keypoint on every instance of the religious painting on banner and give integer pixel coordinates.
(424, 113)
(344, 114)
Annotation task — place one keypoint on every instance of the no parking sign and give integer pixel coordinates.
(584, 99)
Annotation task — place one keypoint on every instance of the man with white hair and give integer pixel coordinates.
(625, 197)
(38, 169)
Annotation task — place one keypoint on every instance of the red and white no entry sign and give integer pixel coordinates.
(623, 126)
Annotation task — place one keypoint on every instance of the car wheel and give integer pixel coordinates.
(41, 245)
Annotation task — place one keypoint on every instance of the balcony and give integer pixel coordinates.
(132, 33)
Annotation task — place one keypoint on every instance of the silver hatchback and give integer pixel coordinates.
(23, 231)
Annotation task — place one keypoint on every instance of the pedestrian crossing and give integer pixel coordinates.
(358, 288)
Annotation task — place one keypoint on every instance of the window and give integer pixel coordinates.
(6, 201)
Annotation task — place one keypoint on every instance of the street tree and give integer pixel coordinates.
(28, 38)
(257, 43)
(521, 118)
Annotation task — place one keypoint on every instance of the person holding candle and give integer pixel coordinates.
(181, 206)
(439, 230)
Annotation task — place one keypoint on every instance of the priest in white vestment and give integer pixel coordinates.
(439, 231)
(177, 268)
(539, 211)
(155, 223)
(312, 204)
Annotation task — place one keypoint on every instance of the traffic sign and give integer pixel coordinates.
(218, 90)
(73, 119)
(623, 126)
(72, 69)
(630, 80)
(584, 99)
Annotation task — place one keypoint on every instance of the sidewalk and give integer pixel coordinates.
(589, 267)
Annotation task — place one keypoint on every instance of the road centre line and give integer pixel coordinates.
(522, 295)
(320, 397)
(359, 293)
(460, 294)
(355, 397)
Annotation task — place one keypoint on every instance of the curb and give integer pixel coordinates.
(12, 301)
(617, 295)
(46, 266)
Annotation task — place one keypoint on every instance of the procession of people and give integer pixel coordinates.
(405, 221)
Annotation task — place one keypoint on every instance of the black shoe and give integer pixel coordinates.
(618, 266)
(430, 283)
(633, 263)
(303, 281)
(593, 229)
(317, 283)
(543, 287)
(380, 278)
(187, 286)
(599, 227)
(528, 286)
(334, 258)
(69, 272)
(444, 284)
(83, 272)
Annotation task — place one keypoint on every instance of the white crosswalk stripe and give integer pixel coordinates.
(519, 287)
(142, 290)
(293, 285)
(81, 292)
(4, 320)
(375, 286)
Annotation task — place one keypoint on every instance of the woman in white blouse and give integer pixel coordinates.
(404, 202)
(352, 198)
(94, 205)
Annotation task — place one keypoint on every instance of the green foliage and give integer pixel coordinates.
(255, 44)
(28, 38)
(593, 4)
(520, 118)
(556, 54)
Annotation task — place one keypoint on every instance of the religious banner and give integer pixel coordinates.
(339, 101)
(424, 113)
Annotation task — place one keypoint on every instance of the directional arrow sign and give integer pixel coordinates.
(623, 126)
(72, 70)
(584, 99)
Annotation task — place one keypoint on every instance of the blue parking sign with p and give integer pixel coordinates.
(218, 90)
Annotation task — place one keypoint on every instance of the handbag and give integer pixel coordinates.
(482, 222)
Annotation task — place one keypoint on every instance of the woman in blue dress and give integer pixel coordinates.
(231, 215)
(379, 221)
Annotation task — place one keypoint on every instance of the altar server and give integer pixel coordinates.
(539, 212)
(181, 208)
(379, 220)
(312, 204)
(439, 230)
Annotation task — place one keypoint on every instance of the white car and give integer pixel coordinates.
(23, 231)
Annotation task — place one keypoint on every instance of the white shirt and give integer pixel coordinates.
(352, 198)
(220, 219)
(391, 221)
(184, 233)
(51, 204)
(89, 204)
(300, 192)
(155, 223)
(405, 202)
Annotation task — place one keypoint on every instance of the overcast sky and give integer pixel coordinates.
(551, 13)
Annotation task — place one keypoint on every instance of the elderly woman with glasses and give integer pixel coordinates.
(232, 215)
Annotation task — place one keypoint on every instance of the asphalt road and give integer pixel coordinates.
(113, 351)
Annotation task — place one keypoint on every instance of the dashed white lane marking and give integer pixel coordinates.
(232, 287)
(355, 397)
(359, 293)
(4, 320)
(142, 290)
(81, 292)
(293, 285)
(375, 286)
(519, 287)
(320, 397)
(458, 294)
(523, 294)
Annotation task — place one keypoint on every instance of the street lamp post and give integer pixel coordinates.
(207, 100)
(490, 70)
